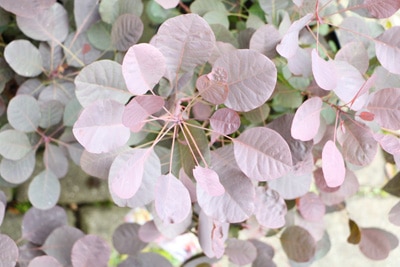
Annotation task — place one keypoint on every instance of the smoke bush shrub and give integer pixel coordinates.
(234, 115)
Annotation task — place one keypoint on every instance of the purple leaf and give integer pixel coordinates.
(24, 58)
(208, 180)
(26, 8)
(126, 31)
(90, 250)
(376, 243)
(394, 214)
(262, 154)
(148, 232)
(385, 105)
(240, 252)
(8, 251)
(387, 49)
(99, 127)
(265, 253)
(189, 184)
(214, 92)
(251, 78)
(239, 200)
(101, 80)
(45, 260)
(142, 68)
(321, 183)
(311, 207)
(289, 44)
(265, 39)
(59, 243)
(38, 224)
(225, 121)
(172, 199)
(307, 119)
(186, 41)
(388, 142)
(167, 4)
(14, 145)
(324, 72)
(270, 208)
(382, 8)
(46, 25)
(126, 239)
(347, 189)
(298, 244)
(44, 190)
(355, 54)
(212, 235)
(128, 170)
(55, 160)
(86, 13)
(172, 230)
(333, 165)
(139, 109)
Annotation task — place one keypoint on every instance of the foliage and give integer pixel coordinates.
(214, 123)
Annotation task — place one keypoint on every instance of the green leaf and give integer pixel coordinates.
(393, 186)
(99, 35)
(24, 58)
(259, 114)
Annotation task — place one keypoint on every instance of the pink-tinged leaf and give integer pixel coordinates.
(347, 189)
(385, 105)
(212, 236)
(44, 261)
(126, 239)
(172, 200)
(201, 111)
(358, 144)
(292, 185)
(220, 48)
(388, 142)
(167, 4)
(208, 180)
(189, 184)
(139, 109)
(240, 252)
(8, 251)
(148, 232)
(99, 128)
(126, 31)
(128, 170)
(324, 72)
(307, 119)
(265, 39)
(262, 154)
(270, 208)
(333, 165)
(301, 63)
(394, 214)
(26, 8)
(2, 211)
(382, 9)
(238, 199)
(251, 78)
(46, 25)
(172, 230)
(376, 243)
(321, 183)
(225, 121)
(289, 44)
(315, 228)
(265, 253)
(387, 47)
(90, 250)
(186, 41)
(142, 68)
(298, 244)
(212, 91)
(311, 207)
(355, 54)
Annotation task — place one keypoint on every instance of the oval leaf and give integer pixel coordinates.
(240, 252)
(385, 105)
(311, 207)
(270, 208)
(126, 239)
(375, 243)
(212, 91)
(265, 39)
(306, 121)
(298, 244)
(225, 121)
(167, 4)
(251, 78)
(387, 47)
(333, 165)
(8, 251)
(99, 127)
(44, 190)
(394, 214)
(24, 58)
(383, 8)
(139, 109)
(18, 171)
(208, 180)
(101, 80)
(262, 154)
(44, 261)
(26, 9)
(90, 250)
(23, 113)
(142, 68)
(86, 13)
(172, 201)
(126, 31)
(14, 145)
(55, 160)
